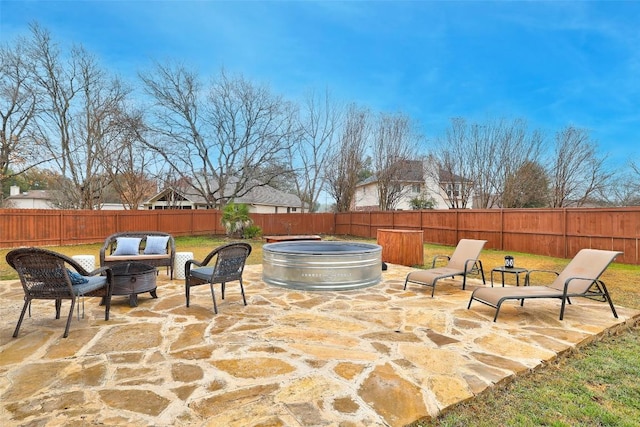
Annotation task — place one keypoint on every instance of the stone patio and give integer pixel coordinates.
(373, 357)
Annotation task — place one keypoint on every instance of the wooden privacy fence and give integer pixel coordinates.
(48, 227)
(553, 232)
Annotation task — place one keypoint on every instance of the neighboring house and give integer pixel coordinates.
(32, 199)
(414, 183)
(44, 199)
(451, 188)
(262, 199)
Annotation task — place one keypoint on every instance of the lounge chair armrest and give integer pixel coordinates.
(439, 257)
(528, 275)
(472, 262)
(568, 281)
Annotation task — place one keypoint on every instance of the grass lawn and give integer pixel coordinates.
(598, 385)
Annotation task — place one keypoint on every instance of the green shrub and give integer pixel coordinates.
(252, 232)
(420, 202)
(235, 219)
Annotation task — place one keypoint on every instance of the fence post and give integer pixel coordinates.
(501, 229)
(564, 232)
(60, 228)
(351, 223)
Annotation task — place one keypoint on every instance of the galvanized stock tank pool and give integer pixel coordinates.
(318, 265)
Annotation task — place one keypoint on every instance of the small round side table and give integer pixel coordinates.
(180, 260)
(88, 262)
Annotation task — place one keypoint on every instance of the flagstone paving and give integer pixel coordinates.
(379, 356)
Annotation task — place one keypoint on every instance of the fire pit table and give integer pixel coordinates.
(133, 278)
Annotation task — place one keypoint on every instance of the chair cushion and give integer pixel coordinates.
(127, 246)
(156, 245)
(76, 278)
(140, 258)
(93, 283)
(202, 273)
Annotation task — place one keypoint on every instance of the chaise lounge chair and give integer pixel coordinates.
(578, 279)
(465, 260)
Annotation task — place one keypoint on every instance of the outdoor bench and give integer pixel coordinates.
(289, 238)
(153, 248)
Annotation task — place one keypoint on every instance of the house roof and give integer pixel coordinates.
(266, 195)
(412, 171)
(446, 176)
(260, 195)
(32, 195)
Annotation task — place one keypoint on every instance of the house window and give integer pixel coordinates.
(453, 191)
(294, 209)
(415, 188)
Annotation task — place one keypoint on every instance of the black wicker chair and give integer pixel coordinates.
(229, 264)
(46, 275)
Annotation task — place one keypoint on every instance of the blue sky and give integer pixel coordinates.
(553, 63)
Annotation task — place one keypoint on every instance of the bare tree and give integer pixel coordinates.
(80, 104)
(394, 146)
(175, 126)
(318, 124)
(449, 169)
(129, 165)
(624, 186)
(347, 158)
(632, 185)
(474, 161)
(635, 167)
(19, 100)
(254, 130)
(225, 138)
(576, 172)
(528, 187)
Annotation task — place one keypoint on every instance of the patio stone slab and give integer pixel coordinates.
(379, 356)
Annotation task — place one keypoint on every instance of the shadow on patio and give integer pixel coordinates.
(376, 356)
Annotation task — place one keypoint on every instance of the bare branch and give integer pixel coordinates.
(394, 144)
(577, 172)
(318, 125)
(347, 158)
(226, 139)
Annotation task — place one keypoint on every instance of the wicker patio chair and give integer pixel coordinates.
(229, 265)
(45, 274)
